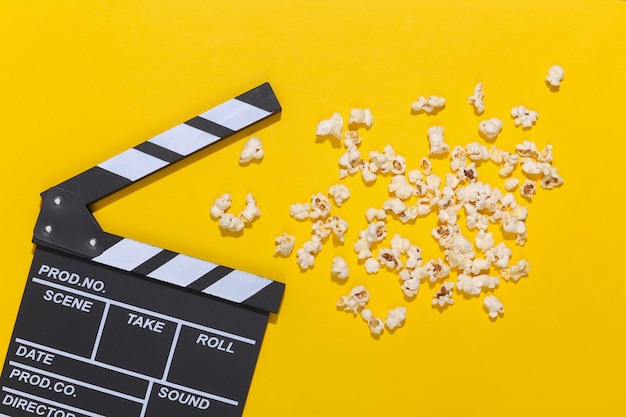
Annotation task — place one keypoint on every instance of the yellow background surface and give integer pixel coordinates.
(84, 80)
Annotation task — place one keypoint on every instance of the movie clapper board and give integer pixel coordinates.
(109, 326)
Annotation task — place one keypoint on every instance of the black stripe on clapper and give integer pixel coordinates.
(155, 262)
(94, 184)
(210, 277)
(159, 152)
(209, 127)
(262, 97)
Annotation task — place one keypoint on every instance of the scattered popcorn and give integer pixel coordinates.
(473, 285)
(528, 189)
(436, 141)
(551, 180)
(400, 187)
(510, 162)
(410, 287)
(499, 255)
(340, 268)
(390, 258)
(376, 231)
(229, 222)
(356, 300)
(339, 193)
(251, 211)
(519, 270)
(372, 214)
(527, 149)
(511, 184)
(428, 104)
(493, 306)
(361, 116)
(352, 139)
(555, 75)
(524, 117)
(477, 152)
(350, 162)
(372, 266)
(375, 324)
(332, 126)
(284, 244)
(490, 128)
(443, 297)
(320, 206)
(395, 317)
(299, 211)
(221, 204)
(253, 150)
(305, 256)
(426, 165)
(476, 99)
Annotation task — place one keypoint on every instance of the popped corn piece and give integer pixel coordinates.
(352, 139)
(443, 297)
(284, 244)
(415, 176)
(340, 268)
(457, 158)
(476, 266)
(350, 161)
(221, 204)
(390, 258)
(476, 99)
(523, 116)
(339, 193)
(496, 155)
(532, 168)
(362, 247)
(400, 243)
(555, 76)
(452, 181)
(372, 214)
(527, 149)
(299, 211)
(320, 206)
(305, 256)
(519, 270)
(395, 317)
(436, 141)
(372, 266)
(436, 270)
(491, 127)
(321, 229)
(473, 285)
(511, 183)
(510, 162)
(230, 222)
(484, 240)
(546, 154)
(528, 189)
(356, 300)
(397, 164)
(375, 232)
(375, 324)
(361, 116)
(426, 165)
(499, 255)
(477, 152)
(551, 180)
(469, 172)
(428, 104)
(493, 305)
(338, 226)
(367, 175)
(250, 211)
(400, 187)
(413, 256)
(395, 205)
(332, 126)
(252, 150)
(313, 246)
(410, 287)
(444, 234)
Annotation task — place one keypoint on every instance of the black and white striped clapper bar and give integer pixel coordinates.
(109, 326)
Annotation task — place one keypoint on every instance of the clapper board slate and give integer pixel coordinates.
(109, 326)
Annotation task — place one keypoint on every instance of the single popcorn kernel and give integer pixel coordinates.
(332, 126)
(253, 150)
(443, 297)
(476, 100)
(436, 141)
(494, 306)
(375, 324)
(361, 116)
(340, 268)
(284, 244)
(395, 317)
(428, 104)
(524, 117)
(490, 128)
(555, 76)
(356, 300)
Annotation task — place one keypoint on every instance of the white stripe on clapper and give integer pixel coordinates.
(237, 286)
(127, 254)
(182, 270)
(133, 164)
(184, 139)
(235, 114)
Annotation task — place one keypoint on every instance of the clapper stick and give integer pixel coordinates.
(112, 326)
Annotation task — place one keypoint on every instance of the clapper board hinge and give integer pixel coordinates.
(66, 224)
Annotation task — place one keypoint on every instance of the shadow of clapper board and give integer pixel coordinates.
(109, 326)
